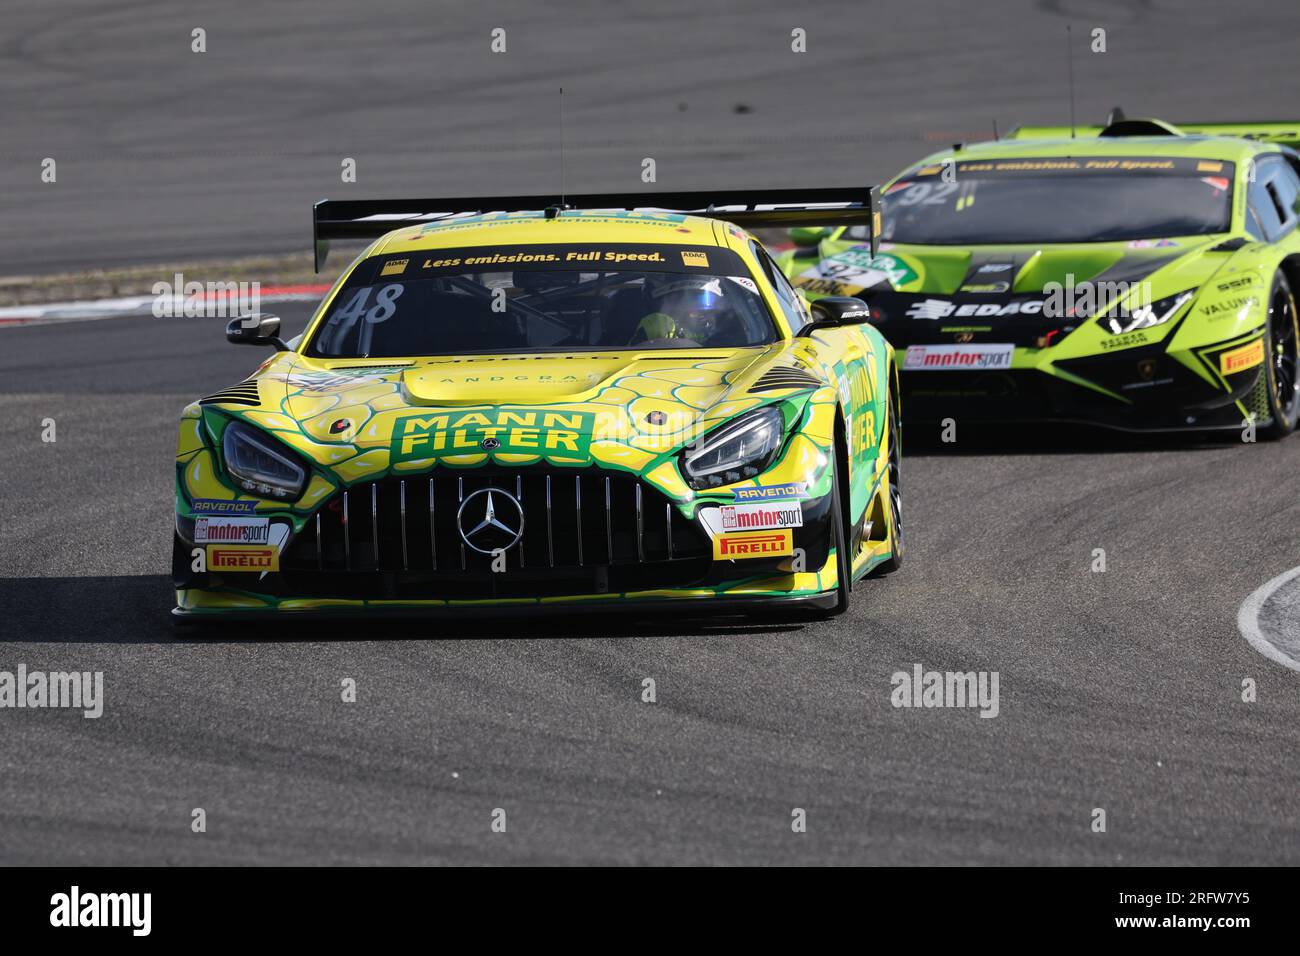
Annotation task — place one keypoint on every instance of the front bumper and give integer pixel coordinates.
(196, 606)
(595, 541)
(1143, 389)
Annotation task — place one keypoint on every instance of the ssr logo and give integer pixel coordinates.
(526, 431)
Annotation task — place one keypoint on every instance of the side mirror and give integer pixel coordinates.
(260, 328)
(833, 311)
(808, 238)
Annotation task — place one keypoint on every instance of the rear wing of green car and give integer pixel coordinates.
(1284, 134)
(750, 209)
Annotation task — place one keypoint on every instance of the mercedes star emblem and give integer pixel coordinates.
(490, 520)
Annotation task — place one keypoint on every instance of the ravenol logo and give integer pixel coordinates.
(221, 506)
(505, 430)
(793, 489)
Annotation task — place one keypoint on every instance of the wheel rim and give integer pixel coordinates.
(895, 488)
(1285, 340)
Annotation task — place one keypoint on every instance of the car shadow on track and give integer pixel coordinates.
(135, 609)
(923, 439)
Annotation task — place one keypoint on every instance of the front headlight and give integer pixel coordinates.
(258, 465)
(1147, 316)
(735, 451)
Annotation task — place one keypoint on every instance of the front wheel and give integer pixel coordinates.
(840, 541)
(1281, 359)
(895, 468)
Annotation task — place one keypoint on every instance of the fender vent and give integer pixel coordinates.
(245, 393)
(785, 377)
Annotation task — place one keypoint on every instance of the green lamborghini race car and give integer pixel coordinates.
(1139, 276)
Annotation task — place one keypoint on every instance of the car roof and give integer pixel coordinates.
(1225, 148)
(568, 226)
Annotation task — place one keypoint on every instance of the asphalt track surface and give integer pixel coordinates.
(163, 154)
(1119, 690)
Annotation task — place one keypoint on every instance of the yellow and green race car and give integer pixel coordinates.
(599, 405)
(1138, 276)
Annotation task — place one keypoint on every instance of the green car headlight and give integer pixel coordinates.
(736, 451)
(260, 465)
(1147, 316)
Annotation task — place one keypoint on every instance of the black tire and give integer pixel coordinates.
(839, 538)
(1281, 361)
(895, 466)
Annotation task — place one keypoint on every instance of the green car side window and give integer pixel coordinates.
(1273, 197)
(1285, 190)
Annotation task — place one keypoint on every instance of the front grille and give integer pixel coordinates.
(572, 520)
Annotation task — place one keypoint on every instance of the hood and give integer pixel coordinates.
(625, 409)
(1027, 296)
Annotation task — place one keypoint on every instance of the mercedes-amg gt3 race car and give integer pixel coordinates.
(606, 407)
(1138, 276)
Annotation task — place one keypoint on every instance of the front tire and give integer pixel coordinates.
(840, 541)
(895, 500)
(1282, 360)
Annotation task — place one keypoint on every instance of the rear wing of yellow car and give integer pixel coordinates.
(1284, 134)
(750, 209)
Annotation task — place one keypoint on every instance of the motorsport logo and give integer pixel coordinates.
(232, 530)
(769, 544)
(791, 490)
(760, 517)
(946, 358)
(221, 506)
(506, 430)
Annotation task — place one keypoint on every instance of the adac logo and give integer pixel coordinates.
(506, 429)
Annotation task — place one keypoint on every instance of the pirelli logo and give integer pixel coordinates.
(766, 544)
(226, 558)
(1238, 360)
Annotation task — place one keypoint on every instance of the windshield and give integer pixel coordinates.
(538, 298)
(1038, 201)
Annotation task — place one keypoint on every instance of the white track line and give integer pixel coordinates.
(18, 316)
(1248, 619)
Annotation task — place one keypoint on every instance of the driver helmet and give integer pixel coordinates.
(694, 304)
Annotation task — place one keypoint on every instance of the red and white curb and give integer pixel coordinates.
(137, 305)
